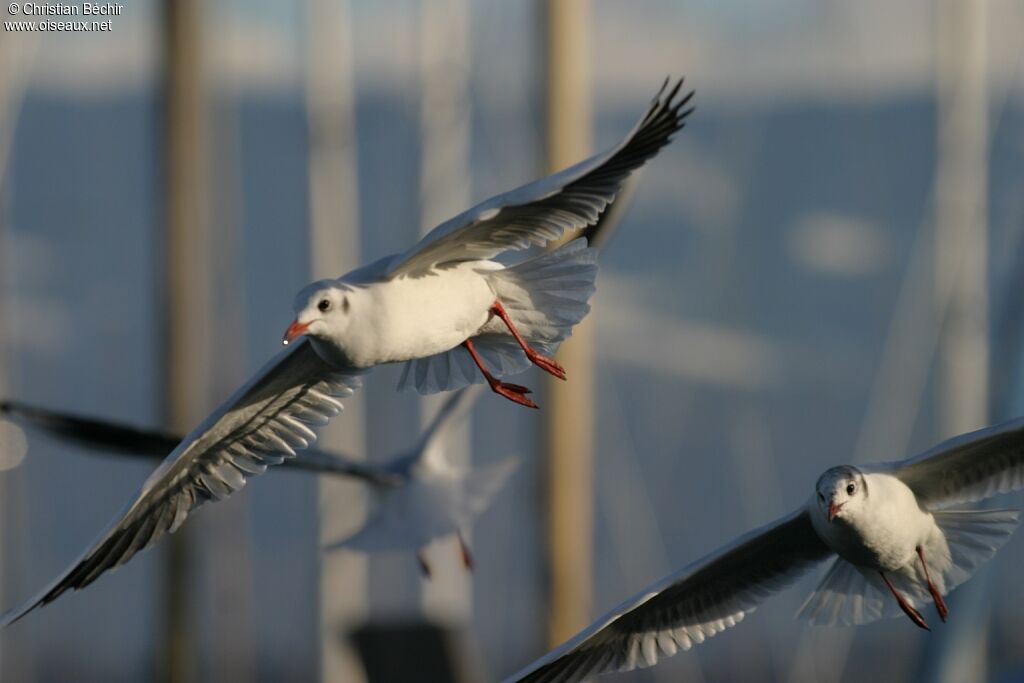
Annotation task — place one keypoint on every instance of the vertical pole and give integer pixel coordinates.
(958, 653)
(226, 634)
(187, 270)
(334, 250)
(16, 650)
(445, 127)
(961, 253)
(568, 409)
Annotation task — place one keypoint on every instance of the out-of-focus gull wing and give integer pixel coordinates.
(544, 210)
(100, 435)
(265, 422)
(697, 602)
(105, 437)
(968, 467)
(452, 413)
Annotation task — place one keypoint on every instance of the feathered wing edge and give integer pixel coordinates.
(703, 599)
(266, 421)
(967, 468)
(540, 212)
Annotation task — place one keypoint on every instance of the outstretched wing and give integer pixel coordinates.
(697, 602)
(266, 421)
(968, 467)
(542, 211)
(113, 438)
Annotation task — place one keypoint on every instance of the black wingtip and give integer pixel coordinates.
(15, 615)
(667, 107)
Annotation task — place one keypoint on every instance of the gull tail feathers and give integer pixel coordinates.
(545, 297)
(847, 596)
(973, 537)
(548, 295)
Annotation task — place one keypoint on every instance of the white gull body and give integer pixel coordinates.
(389, 321)
(895, 543)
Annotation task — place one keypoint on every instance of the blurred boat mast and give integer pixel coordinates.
(16, 651)
(569, 406)
(334, 244)
(186, 289)
(959, 651)
(445, 191)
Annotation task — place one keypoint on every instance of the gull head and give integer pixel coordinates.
(322, 311)
(841, 491)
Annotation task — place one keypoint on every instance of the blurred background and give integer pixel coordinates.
(824, 268)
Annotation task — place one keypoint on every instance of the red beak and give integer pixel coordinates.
(833, 510)
(295, 330)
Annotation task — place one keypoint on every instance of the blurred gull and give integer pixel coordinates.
(431, 497)
(448, 310)
(444, 306)
(898, 548)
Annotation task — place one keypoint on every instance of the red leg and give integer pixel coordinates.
(940, 602)
(513, 392)
(907, 608)
(546, 364)
(424, 565)
(467, 556)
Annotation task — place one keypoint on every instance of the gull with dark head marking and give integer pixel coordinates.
(446, 307)
(453, 313)
(896, 546)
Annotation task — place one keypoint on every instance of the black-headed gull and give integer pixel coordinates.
(898, 548)
(111, 438)
(447, 308)
(430, 497)
(416, 306)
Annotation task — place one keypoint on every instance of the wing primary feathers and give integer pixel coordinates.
(688, 607)
(540, 212)
(248, 427)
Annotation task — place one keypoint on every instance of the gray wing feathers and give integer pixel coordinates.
(969, 467)
(262, 424)
(703, 599)
(543, 211)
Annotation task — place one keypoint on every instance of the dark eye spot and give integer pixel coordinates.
(324, 305)
(851, 489)
(821, 496)
(344, 305)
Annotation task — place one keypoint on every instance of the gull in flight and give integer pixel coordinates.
(444, 306)
(428, 497)
(896, 544)
(455, 315)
